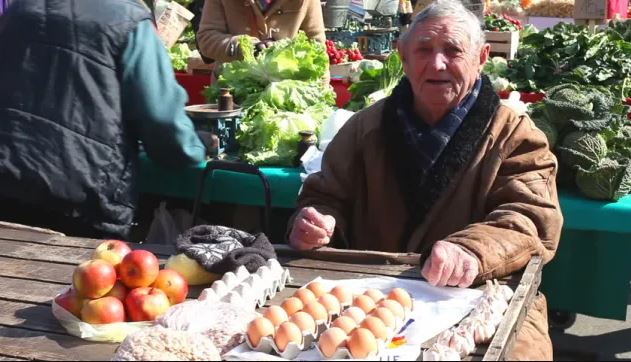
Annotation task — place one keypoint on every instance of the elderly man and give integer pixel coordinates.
(442, 168)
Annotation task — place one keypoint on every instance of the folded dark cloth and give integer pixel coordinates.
(220, 249)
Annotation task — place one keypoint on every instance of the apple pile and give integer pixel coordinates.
(120, 285)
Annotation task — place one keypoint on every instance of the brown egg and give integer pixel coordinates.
(276, 315)
(362, 343)
(259, 328)
(401, 296)
(386, 316)
(394, 307)
(364, 302)
(317, 311)
(347, 324)
(343, 294)
(376, 327)
(331, 303)
(317, 288)
(331, 340)
(375, 294)
(292, 305)
(304, 321)
(287, 333)
(356, 313)
(305, 295)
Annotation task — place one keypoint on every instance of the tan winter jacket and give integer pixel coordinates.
(223, 20)
(492, 192)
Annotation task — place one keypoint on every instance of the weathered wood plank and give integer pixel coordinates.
(29, 316)
(353, 256)
(301, 276)
(401, 271)
(9, 358)
(28, 291)
(502, 343)
(48, 253)
(24, 343)
(36, 270)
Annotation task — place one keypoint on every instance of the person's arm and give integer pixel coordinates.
(313, 24)
(524, 216)
(213, 38)
(153, 101)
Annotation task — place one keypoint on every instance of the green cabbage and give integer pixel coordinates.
(607, 180)
(296, 95)
(582, 149)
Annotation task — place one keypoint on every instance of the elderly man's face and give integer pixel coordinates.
(441, 64)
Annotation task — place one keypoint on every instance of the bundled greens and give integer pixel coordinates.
(282, 93)
(375, 82)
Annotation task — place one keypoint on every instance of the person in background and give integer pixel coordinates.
(3, 6)
(264, 20)
(76, 97)
(443, 169)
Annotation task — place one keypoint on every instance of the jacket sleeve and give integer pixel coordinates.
(524, 218)
(313, 24)
(213, 38)
(330, 191)
(153, 102)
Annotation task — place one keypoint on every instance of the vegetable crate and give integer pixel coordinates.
(503, 43)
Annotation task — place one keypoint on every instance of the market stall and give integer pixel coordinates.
(36, 264)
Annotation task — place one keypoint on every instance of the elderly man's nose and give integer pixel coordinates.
(438, 61)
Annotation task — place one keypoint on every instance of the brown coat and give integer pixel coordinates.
(223, 20)
(492, 192)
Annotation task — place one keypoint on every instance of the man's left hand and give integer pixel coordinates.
(449, 265)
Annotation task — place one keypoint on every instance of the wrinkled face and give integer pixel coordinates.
(441, 64)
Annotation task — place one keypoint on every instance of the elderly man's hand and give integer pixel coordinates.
(449, 265)
(311, 229)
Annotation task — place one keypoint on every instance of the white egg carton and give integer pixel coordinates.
(249, 289)
(345, 353)
(267, 345)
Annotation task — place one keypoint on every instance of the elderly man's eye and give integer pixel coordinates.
(454, 51)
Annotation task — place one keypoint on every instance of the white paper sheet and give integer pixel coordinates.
(435, 310)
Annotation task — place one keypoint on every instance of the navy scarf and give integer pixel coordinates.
(427, 143)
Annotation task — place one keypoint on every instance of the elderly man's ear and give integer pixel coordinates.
(484, 55)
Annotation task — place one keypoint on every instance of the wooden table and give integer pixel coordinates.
(36, 265)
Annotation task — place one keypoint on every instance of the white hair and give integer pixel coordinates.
(455, 10)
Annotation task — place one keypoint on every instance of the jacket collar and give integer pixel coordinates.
(421, 196)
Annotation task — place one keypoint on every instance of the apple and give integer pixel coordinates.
(94, 278)
(112, 251)
(146, 304)
(119, 291)
(71, 302)
(138, 269)
(173, 284)
(103, 311)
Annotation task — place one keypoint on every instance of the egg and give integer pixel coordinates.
(375, 294)
(347, 324)
(364, 302)
(356, 313)
(317, 288)
(402, 297)
(331, 303)
(259, 328)
(276, 315)
(331, 340)
(304, 321)
(362, 343)
(394, 307)
(317, 311)
(386, 316)
(376, 327)
(292, 305)
(343, 294)
(305, 295)
(286, 333)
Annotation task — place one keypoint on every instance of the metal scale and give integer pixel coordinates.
(216, 128)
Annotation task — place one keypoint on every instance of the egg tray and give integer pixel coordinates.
(267, 344)
(251, 290)
(345, 353)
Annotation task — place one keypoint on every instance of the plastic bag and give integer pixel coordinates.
(167, 225)
(114, 332)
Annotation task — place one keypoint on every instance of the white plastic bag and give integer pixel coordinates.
(167, 225)
(114, 332)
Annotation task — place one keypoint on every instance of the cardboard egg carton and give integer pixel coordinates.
(345, 353)
(249, 289)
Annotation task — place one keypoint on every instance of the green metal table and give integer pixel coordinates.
(590, 273)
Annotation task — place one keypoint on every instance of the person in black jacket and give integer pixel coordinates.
(83, 81)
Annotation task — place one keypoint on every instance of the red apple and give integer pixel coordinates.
(146, 304)
(71, 302)
(112, 251)
(139, 268)
(119, 291)
(94, 278)
(103, 311)
(173, 284)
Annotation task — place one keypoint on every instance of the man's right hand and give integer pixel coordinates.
(311, 229)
